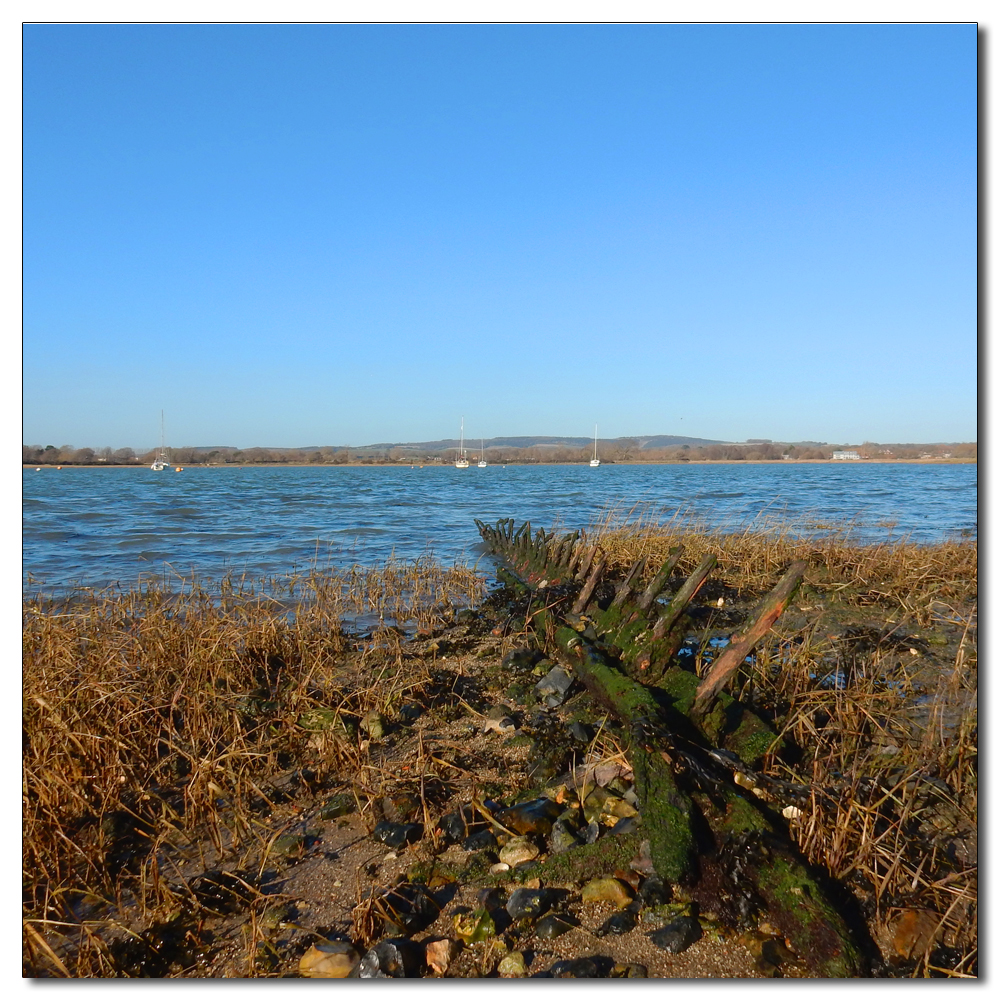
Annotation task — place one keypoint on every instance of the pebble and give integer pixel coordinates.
(618, 923)
(642, 862)
(288, 845)
(616, 808)
(374, 725)
(339, 805)
(456, 826)
(913, 931)
(512, 966)
(498, 713)
(504, 725)
(409, 713)
(554, 687)
(275, 916)
(401, 807)
(576, 968)
(611, 889)
(678, 935)
(397, 834)
(594, 803)
(329, 960)
(552, 926)
(393, 959)
(410, 907)
(527, 903)
(517, 850)
(562, 838)
(633, 970)
(481, 840)
(439, 955)
(769, 952)
(628, 824)
(534, 816)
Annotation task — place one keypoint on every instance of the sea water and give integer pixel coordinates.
(98, 526)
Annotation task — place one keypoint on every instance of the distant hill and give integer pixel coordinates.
(541, 441)
(671, 441)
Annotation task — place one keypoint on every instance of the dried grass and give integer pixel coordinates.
(152, 716)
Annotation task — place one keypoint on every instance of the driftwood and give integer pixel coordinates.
(691, 743)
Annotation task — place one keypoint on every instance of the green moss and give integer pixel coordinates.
(588, 861)
(751, 739)
(728, 724)
(681, 685)
(743, 816)
(815, 929)
(666, 814)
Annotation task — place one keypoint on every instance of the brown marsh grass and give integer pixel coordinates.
(894, 574)
(153, 715)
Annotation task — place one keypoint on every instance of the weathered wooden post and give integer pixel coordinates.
(685, 730)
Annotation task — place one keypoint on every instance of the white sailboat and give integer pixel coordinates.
(482, 454)
(595, 461)
(462, 462)
(160, 462)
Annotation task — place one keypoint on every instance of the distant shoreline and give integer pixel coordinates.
(446, 465)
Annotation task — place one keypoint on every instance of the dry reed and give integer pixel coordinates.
(154, 716)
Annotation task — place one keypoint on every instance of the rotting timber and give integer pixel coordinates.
(693, 746)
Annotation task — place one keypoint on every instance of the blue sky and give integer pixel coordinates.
(295, 235)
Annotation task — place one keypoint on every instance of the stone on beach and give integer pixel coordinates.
(612, 890)
(329, 960)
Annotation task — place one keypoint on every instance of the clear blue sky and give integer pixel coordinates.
(298, 235)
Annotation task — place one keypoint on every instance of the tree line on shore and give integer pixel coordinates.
(620, 450)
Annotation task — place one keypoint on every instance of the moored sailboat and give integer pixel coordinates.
(160, 462)
(595, 461)
(462, 462)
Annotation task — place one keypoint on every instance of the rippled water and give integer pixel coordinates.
(96, 526)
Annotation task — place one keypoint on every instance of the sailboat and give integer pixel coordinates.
(462, 462)
(482, 454)
(160, 462)
(595, 461)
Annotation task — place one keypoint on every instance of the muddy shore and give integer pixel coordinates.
(331, 815)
